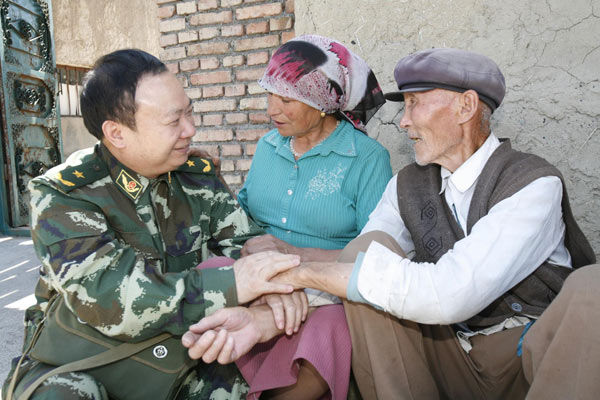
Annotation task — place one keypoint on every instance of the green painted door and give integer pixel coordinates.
(31, 140)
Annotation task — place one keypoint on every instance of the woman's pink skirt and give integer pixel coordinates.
(216, 262)
(323, 340)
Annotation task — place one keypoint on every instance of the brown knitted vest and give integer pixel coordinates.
(434, 229)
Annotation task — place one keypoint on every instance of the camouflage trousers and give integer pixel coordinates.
(205, 381)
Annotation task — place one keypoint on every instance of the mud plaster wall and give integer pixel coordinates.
(549, 52)
(84, 30)
(87, 29)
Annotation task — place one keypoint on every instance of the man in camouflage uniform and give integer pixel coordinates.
(120, 227)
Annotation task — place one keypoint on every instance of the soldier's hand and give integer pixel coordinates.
(252, 274)
(267, 243)
(224, 336)
(289, 310)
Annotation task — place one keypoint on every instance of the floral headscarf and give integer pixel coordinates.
(325, 75)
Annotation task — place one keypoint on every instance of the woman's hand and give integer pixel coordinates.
(268, 243)
(198, 152)
(271, 243)
(289, 310)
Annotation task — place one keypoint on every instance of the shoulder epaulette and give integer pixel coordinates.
(198, 165)
(69, 177)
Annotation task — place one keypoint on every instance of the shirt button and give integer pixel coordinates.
(295, 166)
(284, 220)
(288, 232)
(290, 192)
(516, 307)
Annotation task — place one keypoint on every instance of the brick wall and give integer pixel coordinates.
(219, 48)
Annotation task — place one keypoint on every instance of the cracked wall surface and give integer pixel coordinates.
(549, 52)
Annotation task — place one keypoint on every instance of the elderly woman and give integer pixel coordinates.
(314, 180)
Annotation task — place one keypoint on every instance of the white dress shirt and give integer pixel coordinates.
(503, 248)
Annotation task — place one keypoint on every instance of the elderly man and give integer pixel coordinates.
(119, 229)
(457, 295)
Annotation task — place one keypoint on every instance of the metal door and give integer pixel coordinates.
(31, 140)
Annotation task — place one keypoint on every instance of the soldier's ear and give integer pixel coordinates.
(113, 133)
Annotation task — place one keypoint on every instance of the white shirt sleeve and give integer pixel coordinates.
(386, 217)
(504, 247)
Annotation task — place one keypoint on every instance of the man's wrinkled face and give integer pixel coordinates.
(164, 126)
(430, 120)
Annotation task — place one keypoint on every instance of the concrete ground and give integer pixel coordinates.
(19, 269)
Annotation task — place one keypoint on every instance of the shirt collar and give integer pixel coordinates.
(129, 182)
(341, 141)
(466, 175)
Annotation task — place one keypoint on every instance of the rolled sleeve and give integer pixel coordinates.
(377, 275)
(352, 292)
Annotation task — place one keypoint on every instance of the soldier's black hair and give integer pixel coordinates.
(109, 88)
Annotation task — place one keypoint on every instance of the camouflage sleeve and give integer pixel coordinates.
(230, 225)
(107, 283)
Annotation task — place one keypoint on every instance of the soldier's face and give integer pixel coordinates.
(164, 126)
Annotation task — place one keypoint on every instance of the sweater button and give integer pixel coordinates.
(284, 220)
(516, 307)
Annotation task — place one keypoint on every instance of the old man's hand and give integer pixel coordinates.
(253, 273)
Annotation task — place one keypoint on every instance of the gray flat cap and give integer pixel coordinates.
(449, 69)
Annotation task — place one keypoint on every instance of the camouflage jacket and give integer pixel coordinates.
(122, 248)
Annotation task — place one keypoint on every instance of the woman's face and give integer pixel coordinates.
(292, 117)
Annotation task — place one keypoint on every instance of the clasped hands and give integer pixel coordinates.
(277, 308)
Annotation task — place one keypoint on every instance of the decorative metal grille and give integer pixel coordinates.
(70, 80)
